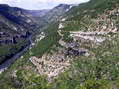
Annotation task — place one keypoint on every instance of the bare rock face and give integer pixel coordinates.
(75, 52)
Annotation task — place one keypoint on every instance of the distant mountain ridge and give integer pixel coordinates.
(38, 13)
(55, 13)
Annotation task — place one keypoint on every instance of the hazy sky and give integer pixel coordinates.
(39, 4)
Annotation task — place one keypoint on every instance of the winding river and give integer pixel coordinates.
(7, 63)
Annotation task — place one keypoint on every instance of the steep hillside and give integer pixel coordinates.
(94, 13)
(55, 13)
(78, 50)
(16, 27)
